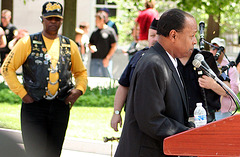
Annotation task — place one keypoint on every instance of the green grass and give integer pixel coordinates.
(89, 118)
(85, 122)
(91, 123)
(10, 116)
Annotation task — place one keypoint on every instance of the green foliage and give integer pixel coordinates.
(95, 101)
(229, 11)
(96, 97)
(3, 86)
(7, 95)
(101, 91)
(125, 22)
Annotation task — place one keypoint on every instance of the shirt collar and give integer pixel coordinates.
(174, 61)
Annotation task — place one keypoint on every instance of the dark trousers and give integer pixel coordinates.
(44, 125)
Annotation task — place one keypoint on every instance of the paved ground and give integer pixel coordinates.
(72, 147)
(70, 153)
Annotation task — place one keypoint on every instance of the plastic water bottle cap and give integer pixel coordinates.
(199, 104)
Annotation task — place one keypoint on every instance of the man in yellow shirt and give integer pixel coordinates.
(48, 60)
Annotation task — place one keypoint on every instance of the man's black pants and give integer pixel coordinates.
(44, 125)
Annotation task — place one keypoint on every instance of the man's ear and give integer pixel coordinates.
(172, 34)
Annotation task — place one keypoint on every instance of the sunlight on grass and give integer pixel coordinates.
(85, 122)
(91, 123)
(10, 116)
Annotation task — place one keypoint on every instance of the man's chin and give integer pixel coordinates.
(189, 53)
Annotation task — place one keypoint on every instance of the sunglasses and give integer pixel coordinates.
(53, 18)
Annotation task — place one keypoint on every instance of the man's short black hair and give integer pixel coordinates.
(173, 19)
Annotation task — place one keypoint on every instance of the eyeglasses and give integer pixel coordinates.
(3, 17)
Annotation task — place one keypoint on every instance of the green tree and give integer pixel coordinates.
(221, 15)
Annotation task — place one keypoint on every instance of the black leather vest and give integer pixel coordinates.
(37, 67)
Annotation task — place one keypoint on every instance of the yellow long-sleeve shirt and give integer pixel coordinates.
(21, 51)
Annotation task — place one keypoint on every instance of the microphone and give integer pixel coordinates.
(208, 71)
(201, 32)
(200, 57)
(220, 49)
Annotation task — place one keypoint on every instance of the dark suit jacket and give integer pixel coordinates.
(156, 106)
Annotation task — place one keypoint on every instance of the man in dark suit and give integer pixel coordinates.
(157, 106)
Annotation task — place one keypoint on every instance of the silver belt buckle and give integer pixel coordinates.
(50, 96)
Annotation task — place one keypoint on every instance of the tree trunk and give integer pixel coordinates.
(213, 29)
(69, 22)
(8, 4)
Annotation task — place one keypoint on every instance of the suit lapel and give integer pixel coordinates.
(181, 87)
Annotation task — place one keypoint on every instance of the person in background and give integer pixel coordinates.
(105, 41)
(237, 63)
(49, 60)
(10, 31)
(143, 21)
(85, 41)
(193, 77)
(124, 81)
(132, 48)
(109, 22)
(3, 40)
(157, 104)
(78, 39)
(84, 26)
(227, 104)
(21, 33)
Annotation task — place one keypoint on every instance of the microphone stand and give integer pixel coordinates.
(204, 95)
(201, 43)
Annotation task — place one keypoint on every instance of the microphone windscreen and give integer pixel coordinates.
(196, 63)
(199, 57)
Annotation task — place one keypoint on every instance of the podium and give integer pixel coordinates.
(219, 138)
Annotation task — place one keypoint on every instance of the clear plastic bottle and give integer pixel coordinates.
(200, 116)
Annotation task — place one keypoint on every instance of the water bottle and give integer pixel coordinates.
(200, 116)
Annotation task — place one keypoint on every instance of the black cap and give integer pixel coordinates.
(154, 24)
(52, 9)
(105, 9)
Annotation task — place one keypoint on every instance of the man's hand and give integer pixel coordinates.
(27, 99)
(105, 62)
(210, 83)
(206, 82)
(116, 118)
(73, 96)
(92, 48)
